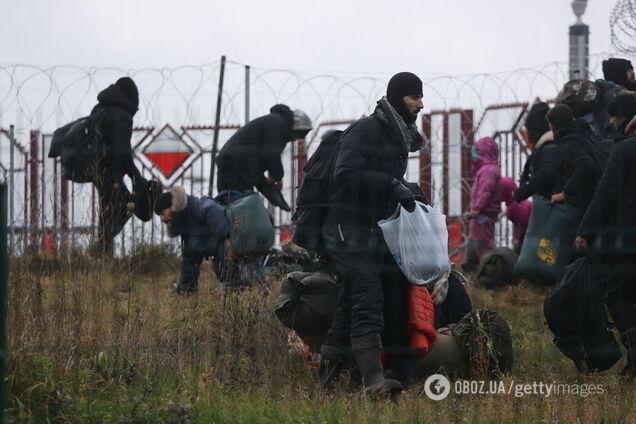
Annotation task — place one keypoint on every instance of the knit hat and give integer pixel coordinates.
(536, 124)
(128, 87)
(615, 70)
(163, 202)
(400, 85)
(623, 106)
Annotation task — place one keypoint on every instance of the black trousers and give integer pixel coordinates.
(620, 296)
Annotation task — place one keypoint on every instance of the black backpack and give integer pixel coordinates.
(496, 268)
(81, 147)
(312, 203)
(575, 313)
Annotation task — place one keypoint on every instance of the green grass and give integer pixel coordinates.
(108, 341)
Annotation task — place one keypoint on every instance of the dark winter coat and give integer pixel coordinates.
(256, 147)
(368, 160)
(116, 127)
(577, 167)
(612, 211)
(200, 222)
(541, 172)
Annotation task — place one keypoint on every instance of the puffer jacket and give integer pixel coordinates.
(257, 146)
(419, 327)
(200, 222)
(484, 196)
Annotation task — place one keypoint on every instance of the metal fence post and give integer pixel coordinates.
(11, 186)
(4, 273)
(247, 93)
(217, 124)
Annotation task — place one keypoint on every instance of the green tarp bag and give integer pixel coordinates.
(307, 303)
(549, 243)
(251, 230)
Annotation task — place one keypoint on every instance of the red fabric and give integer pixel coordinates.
(419, 327)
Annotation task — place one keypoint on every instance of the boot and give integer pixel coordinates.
(366, 350)
(333, 361)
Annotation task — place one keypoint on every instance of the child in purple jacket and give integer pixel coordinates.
(517, 212)
(485, 203)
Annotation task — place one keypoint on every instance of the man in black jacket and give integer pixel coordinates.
(608, 230)
(117, 105)
(541, 171)
(368, 176)
(577, 168)
(255, 149)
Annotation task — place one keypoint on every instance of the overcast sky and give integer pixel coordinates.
(426, 36)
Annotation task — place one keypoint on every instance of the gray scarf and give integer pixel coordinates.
(406, 135)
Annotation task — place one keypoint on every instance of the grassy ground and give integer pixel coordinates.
(109, 341)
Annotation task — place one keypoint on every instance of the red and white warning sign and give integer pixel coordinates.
(169, 153)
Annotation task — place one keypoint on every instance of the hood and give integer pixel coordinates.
(571, 128)
(549, 136)
(536, 124)
(285, 112)
(113, 95)
(507, 186)
(488, 151)
(615, 70)
(179, 204)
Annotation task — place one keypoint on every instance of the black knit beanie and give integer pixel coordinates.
(128, 87)
(536, 123)
(400, 85)
(615, 70)
(623, 106)
(163, 202)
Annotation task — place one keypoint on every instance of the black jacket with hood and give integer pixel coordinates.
(257, 146)
(541, 172)
(577, 167)
(118, 109)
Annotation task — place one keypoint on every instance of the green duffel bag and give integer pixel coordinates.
(307, 303)
(549, 243)
(250, 228)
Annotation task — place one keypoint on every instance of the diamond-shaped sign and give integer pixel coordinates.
(167, 151)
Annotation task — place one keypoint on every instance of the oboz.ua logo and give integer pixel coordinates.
(437, 387)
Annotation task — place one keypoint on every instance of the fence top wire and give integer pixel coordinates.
(46, 97)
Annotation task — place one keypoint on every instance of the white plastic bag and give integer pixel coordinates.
(418, 241)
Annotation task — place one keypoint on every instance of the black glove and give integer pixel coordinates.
(402, 194)
(274, 196)
(418, 194)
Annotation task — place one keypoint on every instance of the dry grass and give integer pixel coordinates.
(109, 341)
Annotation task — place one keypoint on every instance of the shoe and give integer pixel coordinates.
(367, 350)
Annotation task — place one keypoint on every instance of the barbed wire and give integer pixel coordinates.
(623, 26)
(38, 97)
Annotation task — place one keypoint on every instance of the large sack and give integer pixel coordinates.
(549, 243)
(418, 241)
(307, 303)
(496, 268)
(485, 339)
(575, 313)
(251, 230)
